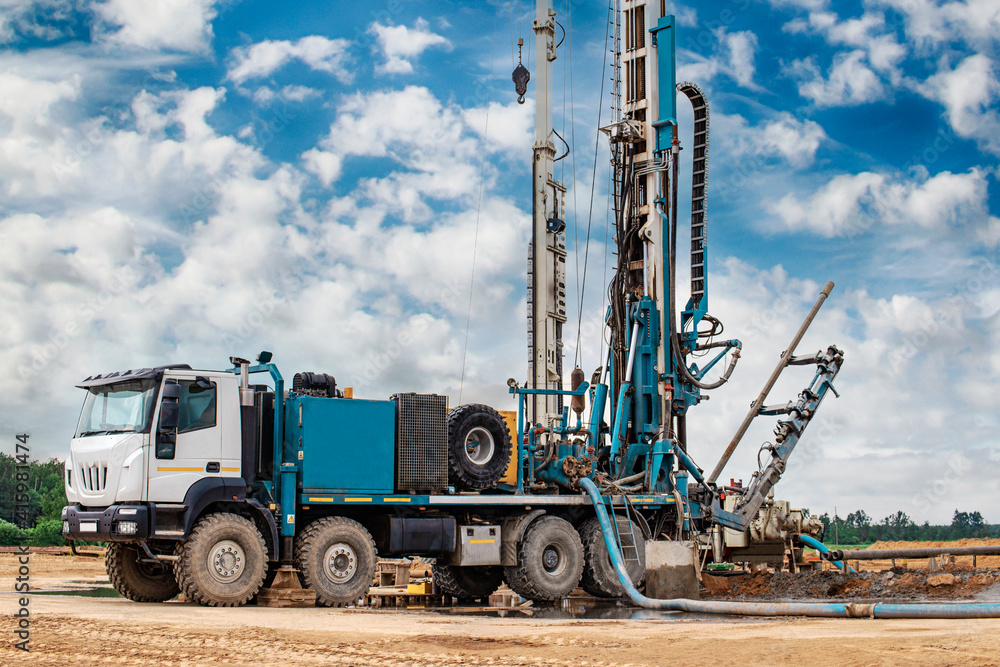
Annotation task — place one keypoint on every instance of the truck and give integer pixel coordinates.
(226, 484)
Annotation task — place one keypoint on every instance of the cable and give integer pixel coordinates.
(590, 215)
(513, 61)
(479, 206)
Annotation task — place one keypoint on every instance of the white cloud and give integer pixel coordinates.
(850, 81)
(813, 5)
(41, 19)
(686, 16)
(934, 23)
(509, 126)
(868, 33)
(298, 93)
(852, 204)
(266, 95)
(386, 122)
(969, 93)
(832, 209)
(264, 58)
(182, 25)
(795, 141)
(400, 45)
(323, 164)
(734, 54)
(741, 48)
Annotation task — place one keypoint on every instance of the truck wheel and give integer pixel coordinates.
(337, 559)
(600, 578)
(138, 581)
(223, 562)
(549, 562)
(467, 583)
(478, 446)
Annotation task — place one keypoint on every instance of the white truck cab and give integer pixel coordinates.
(151, 446)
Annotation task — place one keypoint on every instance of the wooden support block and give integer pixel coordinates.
(286, 597)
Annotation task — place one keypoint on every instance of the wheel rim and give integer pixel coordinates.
(553, 559)
(340, 563)
(226, 561)
(479, 446)
(152, 570)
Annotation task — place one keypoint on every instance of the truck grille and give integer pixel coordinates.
(421, 443)
(94, 478)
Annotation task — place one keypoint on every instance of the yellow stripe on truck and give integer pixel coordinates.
(180, 469)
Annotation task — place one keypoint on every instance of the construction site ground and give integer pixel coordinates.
(69, 628)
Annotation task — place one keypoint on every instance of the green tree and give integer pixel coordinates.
(861, 523)
(11, 535)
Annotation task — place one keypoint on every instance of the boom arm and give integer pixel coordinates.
(786, 436)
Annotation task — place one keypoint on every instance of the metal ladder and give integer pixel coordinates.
(626, 542)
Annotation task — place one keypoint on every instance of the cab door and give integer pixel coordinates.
(196, 449)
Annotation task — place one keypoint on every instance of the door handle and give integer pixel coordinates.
(213, 466)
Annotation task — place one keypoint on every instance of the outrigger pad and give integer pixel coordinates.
(671, 570)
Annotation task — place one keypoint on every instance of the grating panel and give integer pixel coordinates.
(94, 477)
(421, 443)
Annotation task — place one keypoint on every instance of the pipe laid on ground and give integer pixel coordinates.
(917, 552)
(817, 609)
(822, 549)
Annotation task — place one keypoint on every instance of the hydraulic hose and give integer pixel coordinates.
(815, 609)
(820, 547)
(675, 341)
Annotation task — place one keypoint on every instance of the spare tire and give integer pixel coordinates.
(478, 446)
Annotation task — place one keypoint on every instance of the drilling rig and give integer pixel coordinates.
(206, 483)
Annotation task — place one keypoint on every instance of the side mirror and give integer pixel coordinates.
(170, 414)
(172, 390)
(200, 384)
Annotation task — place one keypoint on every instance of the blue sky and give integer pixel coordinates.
(185, 179)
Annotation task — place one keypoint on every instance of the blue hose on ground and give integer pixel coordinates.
(821, 609)
(823, 549)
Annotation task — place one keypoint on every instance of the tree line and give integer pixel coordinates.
(41, 523)
(859, 528)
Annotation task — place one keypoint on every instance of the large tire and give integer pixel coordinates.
(223, 563)
(600, 578)
(337, 559)
(467, 583)
(478, 446)
(138, 581)
(549, 561)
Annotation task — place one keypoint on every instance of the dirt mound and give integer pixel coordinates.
(969, 542)
(833, 584)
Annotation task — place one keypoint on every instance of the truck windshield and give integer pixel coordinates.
(126, 407)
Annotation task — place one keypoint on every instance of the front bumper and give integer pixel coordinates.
(117, 523)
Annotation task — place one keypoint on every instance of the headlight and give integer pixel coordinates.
(126, 527)
(127, 511)
(65, 527)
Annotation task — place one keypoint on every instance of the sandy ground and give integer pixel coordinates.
(96, 631)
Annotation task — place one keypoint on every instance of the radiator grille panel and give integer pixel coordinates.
(94, 477)
(421, 443)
